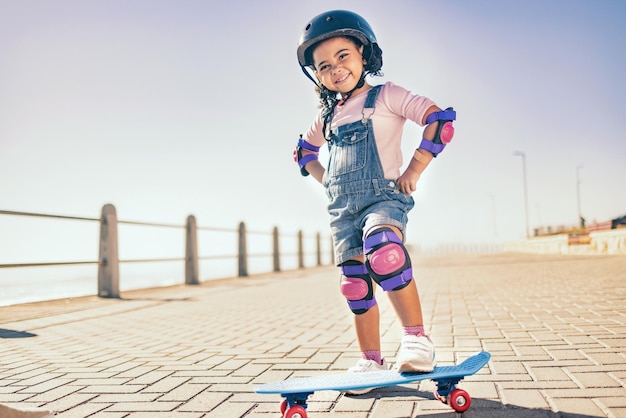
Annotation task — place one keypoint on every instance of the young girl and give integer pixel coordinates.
(369, 197)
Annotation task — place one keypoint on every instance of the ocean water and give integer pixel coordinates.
(35, 240)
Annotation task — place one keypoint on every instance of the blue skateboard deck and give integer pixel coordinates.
(296, 391)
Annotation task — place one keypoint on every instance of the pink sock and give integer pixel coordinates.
(373, 355)
(418, 330)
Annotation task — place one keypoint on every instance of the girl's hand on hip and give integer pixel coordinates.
(407, 182)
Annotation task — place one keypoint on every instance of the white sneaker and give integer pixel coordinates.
(417, 354)
(364, 366)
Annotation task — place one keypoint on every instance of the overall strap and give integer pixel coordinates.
(370, 103)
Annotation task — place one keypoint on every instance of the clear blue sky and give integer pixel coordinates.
(166, 108)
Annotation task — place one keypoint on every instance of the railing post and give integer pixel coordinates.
(109, 262)
(276, 249)
(191, 252)
(300, 250)
(318, 248)
(243, 251)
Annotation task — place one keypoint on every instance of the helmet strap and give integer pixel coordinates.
(345, 97)
(308, 74)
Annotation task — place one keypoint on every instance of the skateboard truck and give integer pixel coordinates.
(447, 392)
(294, 405)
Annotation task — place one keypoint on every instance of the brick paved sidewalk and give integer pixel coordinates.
(555, 326)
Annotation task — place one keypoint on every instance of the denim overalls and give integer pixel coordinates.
(360, 197)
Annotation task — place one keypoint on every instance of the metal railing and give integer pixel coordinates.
(108, 261)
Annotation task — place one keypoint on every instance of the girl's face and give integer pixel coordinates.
(338, 64)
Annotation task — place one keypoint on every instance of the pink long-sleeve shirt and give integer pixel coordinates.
(394, 105)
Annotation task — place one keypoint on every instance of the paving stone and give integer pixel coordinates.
(61, 391)
(71, 401)
(230, 409)
(579, 406)
(595, 380)
(158, 406)
(120, 389)
(173, 414)
(183, 392)
(165, 385)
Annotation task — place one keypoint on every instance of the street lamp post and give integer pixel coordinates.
(521, 154)
(581, 222)
(493, 215)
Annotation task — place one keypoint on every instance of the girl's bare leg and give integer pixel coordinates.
(406, 301)
(368, 325)
(407, 305)
(368, 329)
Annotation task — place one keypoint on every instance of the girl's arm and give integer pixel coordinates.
(306, 148)
(407, 182)
(314, 167)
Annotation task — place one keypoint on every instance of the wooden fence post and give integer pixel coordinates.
(191, 252)
(243, 251)
(109, 262)
(276, 249)
(300, 249)
(318, 248)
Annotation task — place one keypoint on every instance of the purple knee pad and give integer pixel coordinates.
(388, 261)
(356, 286)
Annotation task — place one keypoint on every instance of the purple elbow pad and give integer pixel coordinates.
(304, 160)
(445, 131)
